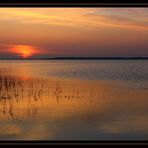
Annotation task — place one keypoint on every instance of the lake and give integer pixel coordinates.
(74, 100)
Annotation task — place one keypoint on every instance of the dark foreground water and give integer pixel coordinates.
(74, 100)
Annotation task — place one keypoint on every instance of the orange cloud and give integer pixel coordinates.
(89, 18)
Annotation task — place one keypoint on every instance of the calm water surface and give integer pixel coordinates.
(74, 100)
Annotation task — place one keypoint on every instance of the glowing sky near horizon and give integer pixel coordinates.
(45, 32)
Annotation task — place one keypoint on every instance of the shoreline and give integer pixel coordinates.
(81, 58)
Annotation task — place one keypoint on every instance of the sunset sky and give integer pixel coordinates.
(49, 32)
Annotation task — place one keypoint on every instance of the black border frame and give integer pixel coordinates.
(74, 4)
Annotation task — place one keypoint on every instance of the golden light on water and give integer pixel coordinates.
(24, 51)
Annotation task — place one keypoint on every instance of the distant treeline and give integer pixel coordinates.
(95, 58)
(80, 58)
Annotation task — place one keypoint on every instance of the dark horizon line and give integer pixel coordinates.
(79, 58)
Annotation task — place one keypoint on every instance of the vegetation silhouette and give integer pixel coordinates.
(15, 89)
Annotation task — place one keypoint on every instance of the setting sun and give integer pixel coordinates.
(24, 50)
